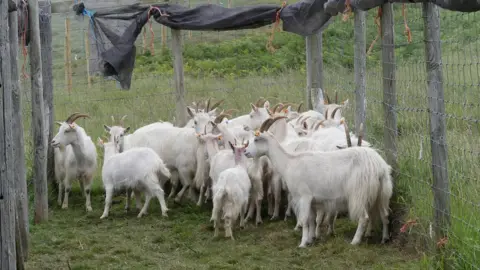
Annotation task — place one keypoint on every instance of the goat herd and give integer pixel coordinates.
(236, 163)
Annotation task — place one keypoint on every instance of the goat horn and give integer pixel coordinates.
(318, 125)
(75, 116)
(106, 138)
(335, 111)
(327, 98)
(299, 107)
(219, 118)
(274, 109)
(347, 133)
(208, 105)
(304, 119)
(214, 106)
(326, 114)
(336, 97)
(299, 118)
(121, 119)
(113, 120)
(360, 135)
(205, 130)
(260, 102)
(230, 111)
(266, 125)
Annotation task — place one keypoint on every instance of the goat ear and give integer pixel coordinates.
(231, 146)
(212, 112)
(107, 128)
(58, 123)
(99, 142)
(254, 108)
(345, 103)
(190, 112)
(266, 105)
(127, 129)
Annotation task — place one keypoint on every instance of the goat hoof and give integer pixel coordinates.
(385, 240)
(259, 222)
(89, 209)
(274, 218)
(103, 216)
(64, 206)
(164, 215)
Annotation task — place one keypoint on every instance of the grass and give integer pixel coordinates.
(185, 240)
(237, 67)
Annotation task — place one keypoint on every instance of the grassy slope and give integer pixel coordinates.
(236, 66)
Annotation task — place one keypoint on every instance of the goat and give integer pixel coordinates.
(231, 193)
(357, 179)
(75, 157)
(137, 169)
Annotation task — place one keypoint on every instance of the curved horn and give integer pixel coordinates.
(299, 106)
(299, 119)
(326, 114)
(336, 97)
(304, 119)
(78, 116)
(121, 119)
(347, 133)
(327, 98)
(75, 116)
(219, 118)
(216, 105)
(274, 110)
(208, 105)
(265, 123)
(360, 135)
(260, 102)
(318, 125)
(230, 111)
(274, 120)
(113, 120)
(335, 111)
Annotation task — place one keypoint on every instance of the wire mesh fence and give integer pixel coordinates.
(234, 66)
(415, 185)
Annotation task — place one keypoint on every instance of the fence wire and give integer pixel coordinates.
(460, 58)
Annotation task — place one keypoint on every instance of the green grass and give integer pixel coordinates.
(185, 240)
(235, 65)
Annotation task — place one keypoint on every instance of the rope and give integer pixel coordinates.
(347, 13)
(152, 34)
(378, 23)
(407, 32)
(24, 41)
(269, 44)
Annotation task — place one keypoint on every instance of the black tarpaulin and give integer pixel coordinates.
(115, 30)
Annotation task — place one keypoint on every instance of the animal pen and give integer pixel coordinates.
(410, 72)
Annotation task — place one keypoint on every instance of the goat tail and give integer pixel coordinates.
(218, 195)
(386, 191)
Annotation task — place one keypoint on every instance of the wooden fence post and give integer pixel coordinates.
(38, 120)
(7, 182)
(47, 79)
(22, 222)
(68, 56)
(436, 105)
(180, 105)
(360, 68)
(87, 55)
(389, 85)
(314, 62)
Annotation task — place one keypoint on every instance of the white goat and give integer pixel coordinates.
(231, 193)
(356, 179)
(75, 158)
(253, 120)
(137, 169)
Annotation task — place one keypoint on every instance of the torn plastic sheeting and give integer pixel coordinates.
(305, 17)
